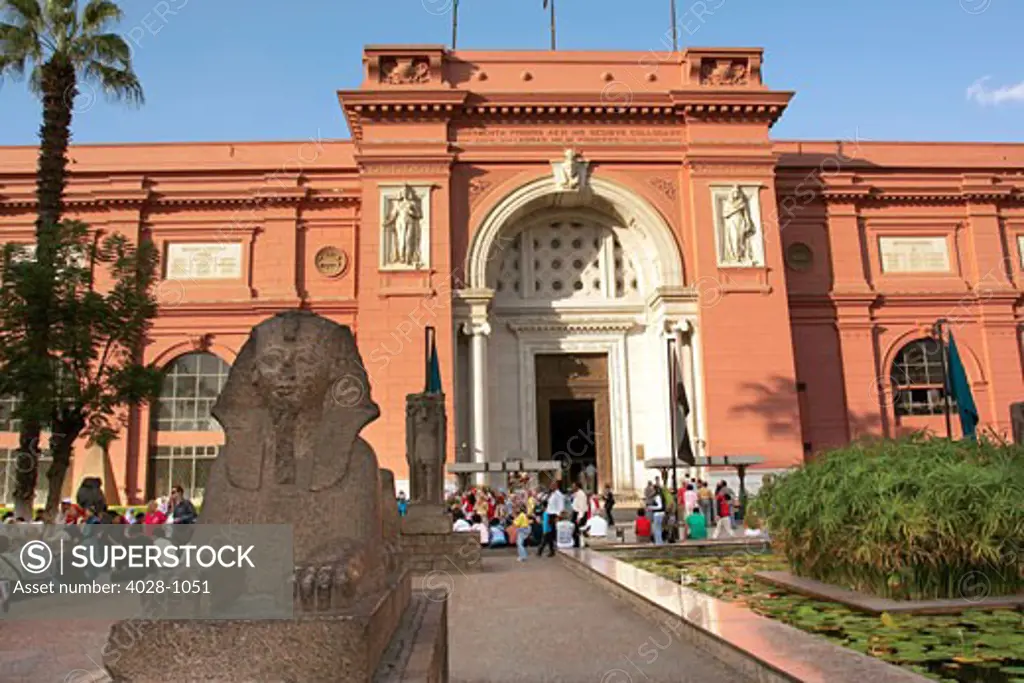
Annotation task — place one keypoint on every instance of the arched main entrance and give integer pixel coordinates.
(572, 297)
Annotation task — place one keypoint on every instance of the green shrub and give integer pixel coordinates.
(912, 519)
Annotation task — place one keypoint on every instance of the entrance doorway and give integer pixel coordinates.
(573, 416)
(573, 440)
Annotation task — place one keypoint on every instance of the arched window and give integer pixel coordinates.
(578, 258)
(191, 386)
(918, 379)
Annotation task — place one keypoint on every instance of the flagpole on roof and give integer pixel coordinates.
(455, 22)
(550, 4)
(675, 30)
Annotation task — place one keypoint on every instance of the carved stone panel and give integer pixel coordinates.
(404, 227)
(404, 70)
(739, 232)
(204, 261)
(331, 262)
(913, 254)
(723, 72)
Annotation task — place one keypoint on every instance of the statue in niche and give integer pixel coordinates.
(738, 228)
(292, 409)
(402, 228)
(570, 172)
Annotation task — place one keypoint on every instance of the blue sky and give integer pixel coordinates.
(261, 70)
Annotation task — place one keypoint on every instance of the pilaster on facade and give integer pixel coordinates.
(991, 264)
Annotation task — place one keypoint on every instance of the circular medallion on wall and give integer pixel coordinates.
(799, 257)
(331, 262)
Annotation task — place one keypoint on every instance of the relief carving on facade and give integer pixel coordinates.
(738, 226)
(405, 70)
(723, 72)
(477, 187)
(666, 186)
(405, 227)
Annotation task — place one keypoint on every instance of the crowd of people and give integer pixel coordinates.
(92, 509)
(700, 509)
(553, 518)
(533, 517)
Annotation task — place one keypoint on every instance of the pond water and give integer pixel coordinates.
(972, 647)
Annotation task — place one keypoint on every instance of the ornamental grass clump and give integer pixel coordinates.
(916, 518)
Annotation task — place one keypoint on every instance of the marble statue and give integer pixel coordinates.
(403, 223)
(293, 455)
(425, 447)
(570, 172)
(738, 228)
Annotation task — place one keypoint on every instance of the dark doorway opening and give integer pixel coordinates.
(574, 441)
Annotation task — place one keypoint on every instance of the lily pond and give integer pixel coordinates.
(972, 647)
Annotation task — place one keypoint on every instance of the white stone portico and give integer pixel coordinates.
(594, 270)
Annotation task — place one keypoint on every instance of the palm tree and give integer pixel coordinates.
(551, 3)
(58, 43)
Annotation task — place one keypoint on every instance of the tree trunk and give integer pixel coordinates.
(66, 431)
(27, 472)
(59, 90)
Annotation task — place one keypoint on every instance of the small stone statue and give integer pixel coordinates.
(570, 172)
(425, 447)
(293, 455)
(739, 228)
(403, 224)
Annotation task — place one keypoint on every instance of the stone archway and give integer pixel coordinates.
(630, 254)
(648, 232)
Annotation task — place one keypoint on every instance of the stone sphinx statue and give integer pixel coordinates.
(292, 409)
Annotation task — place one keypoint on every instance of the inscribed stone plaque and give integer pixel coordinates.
(913, 254)
(331, 261)
(209, 261)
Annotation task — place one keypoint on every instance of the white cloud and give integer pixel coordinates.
(986, 96)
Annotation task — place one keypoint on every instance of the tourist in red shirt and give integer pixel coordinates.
(153, 516)
(642, 526)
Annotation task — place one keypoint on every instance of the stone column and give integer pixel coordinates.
(478, 331)
(686, 336)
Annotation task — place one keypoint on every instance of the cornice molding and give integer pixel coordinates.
(616, 325)
(256, 197)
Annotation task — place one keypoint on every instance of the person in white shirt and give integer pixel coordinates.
(596, 526)
(554, 506)
(460, 523)
(580, 511)
(482, 529)
(690, 497)
(566, 533)
(657, 509)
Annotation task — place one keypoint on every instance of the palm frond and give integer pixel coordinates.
(22, 11)
(99, 15)
(117, 84)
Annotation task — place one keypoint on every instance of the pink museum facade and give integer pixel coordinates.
(563, 220)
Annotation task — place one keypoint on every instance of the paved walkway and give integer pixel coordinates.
(538, 622)
(535, 622)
